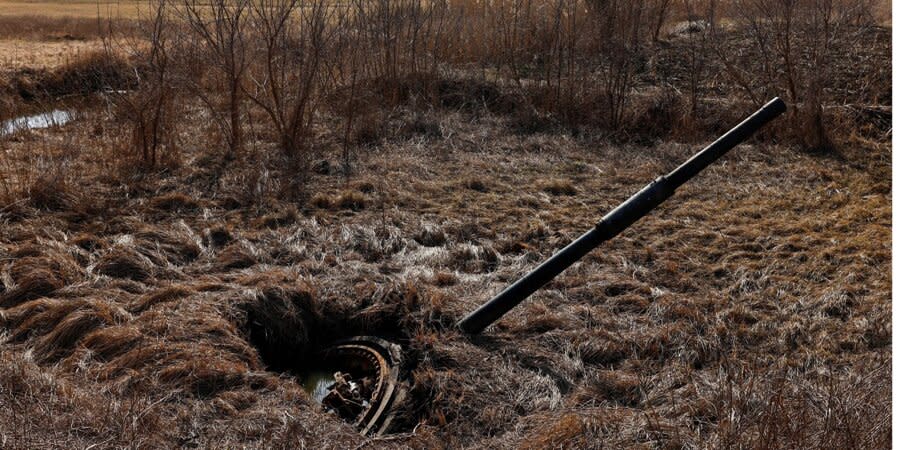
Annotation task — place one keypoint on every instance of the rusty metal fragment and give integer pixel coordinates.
(367, 386)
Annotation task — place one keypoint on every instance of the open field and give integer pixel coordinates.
(18, 55)
(762, 284)
(85, 9)
(49, 34)
(165, 280)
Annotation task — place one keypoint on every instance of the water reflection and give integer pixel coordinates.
(48, 119)
(317, 382)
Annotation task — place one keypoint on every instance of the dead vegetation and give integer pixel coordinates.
(171, 260)
(737, 329)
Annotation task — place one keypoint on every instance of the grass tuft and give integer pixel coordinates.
(558, 187)
(125, 262)
(352, 200)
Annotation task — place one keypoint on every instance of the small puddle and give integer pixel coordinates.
(317, 382)
(44, 120)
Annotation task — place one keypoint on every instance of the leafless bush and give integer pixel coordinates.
(699, 45)
(576, 60)
(794, 39)
(287, 78)
(621, 41)
(218, 40)
(150, 109)
(570, 62)
(387, 53)
(401, 37)
(866, 12)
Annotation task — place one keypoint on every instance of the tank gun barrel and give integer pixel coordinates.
(617, 220)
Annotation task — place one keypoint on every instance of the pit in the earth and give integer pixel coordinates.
(356, 379)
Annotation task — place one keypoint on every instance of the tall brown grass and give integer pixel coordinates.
(300, 73)
(34, 26)
(155, 310)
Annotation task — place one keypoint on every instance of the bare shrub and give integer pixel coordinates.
(287, 79)
(151, 109)
(699, 46)
(401, 37)
(622, 46)
(218, 41)
(794, 39)
(575, 59)
(867, 12)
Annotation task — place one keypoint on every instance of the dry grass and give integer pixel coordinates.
(19, 54)
(174, 306)
(558, 187)
(171, 310)
(65, 11)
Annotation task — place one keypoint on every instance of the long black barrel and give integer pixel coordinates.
(617, 220)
